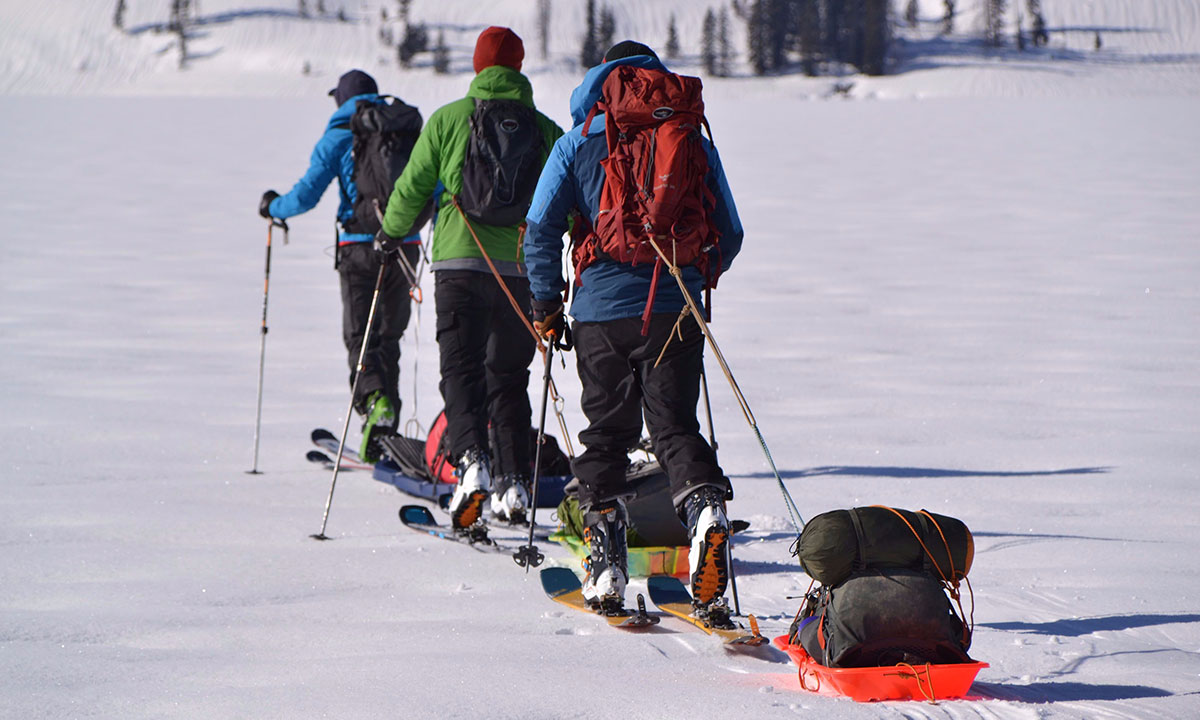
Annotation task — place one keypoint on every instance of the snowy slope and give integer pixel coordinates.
(978, 297)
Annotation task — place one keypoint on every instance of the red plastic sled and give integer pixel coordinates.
(900, 682)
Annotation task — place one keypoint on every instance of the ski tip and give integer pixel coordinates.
(416, 515)
(322, 434)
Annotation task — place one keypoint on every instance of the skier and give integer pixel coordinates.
(377, 395)
(617, 350)
(485, 347)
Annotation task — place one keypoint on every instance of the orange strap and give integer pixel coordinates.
(504, 286)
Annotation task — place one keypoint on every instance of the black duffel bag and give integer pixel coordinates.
(839, 542)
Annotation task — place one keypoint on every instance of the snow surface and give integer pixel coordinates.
(969, 287)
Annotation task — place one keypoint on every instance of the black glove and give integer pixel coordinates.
(387, 244)
(264, 205)
(548, 318)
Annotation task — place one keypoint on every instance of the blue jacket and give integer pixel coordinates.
(572, 179)
(332, 157)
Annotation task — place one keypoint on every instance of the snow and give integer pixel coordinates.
(969, 286)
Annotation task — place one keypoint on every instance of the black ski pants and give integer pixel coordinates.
(358, 266)
(621, 386)
(485, 352)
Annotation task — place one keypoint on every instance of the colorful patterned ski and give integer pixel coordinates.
(671, 596)
(561, 585)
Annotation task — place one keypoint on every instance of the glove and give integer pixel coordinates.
(264, 205)
(387, 244)
(548, 318)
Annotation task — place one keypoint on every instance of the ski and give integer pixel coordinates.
(672, 597)
(320, 458)
(328, 442)
(418, 518)
(562, 586)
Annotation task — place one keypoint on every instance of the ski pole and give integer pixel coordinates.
(362, 352)
(262, 343)
(690, 306)
(529, 554)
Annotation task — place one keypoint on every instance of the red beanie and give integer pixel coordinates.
(498, 46)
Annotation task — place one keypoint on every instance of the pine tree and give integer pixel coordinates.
(756, 40)
(543, 27)
(588, 54)
(672, 46)
(441, 55)
(606, 31)
(708, 42)
(993, 19)
(1037, 30)
(948, 18)
(809, 36)
(724, 50)
(416, 40)
(911, 13)
(119, 15)
(303, 8)
(876, 37)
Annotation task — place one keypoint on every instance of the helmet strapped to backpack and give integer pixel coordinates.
(655, 190)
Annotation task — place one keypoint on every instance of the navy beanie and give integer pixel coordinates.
(355, 82)
(627, 48)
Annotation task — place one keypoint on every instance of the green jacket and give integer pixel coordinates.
(438, 156)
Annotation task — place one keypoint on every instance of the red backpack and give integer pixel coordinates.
(654, 176)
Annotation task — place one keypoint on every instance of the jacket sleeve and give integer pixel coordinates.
(725, 215)
(546, 223)
(307, 192)
(416, 184)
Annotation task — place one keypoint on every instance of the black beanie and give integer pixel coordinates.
(355, 82)
(627, 48)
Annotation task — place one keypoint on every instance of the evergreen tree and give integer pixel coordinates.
(911, 13)
(589, 55)
(543, 27)
(441, 55)
(416, 40)
(993, 20)
(1037, 30)
(948, 18)
(119, 15)
(877, 37)
(708, 42)
(756, 38)
(672, 46)
(809, 36)
(724, 50)
(606, 31)
(303, 8)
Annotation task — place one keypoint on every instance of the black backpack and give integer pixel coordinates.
(881, 617)
(503, 161)
(384, 136)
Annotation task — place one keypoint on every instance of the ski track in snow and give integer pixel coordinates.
(969, 286)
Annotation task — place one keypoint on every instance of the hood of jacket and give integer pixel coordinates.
(501, 83)
(341, 116)
(588, 92)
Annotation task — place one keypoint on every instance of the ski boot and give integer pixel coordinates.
(605, 526)
(510, 498)
(474, 483)
(708, 557)
(380, 422)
